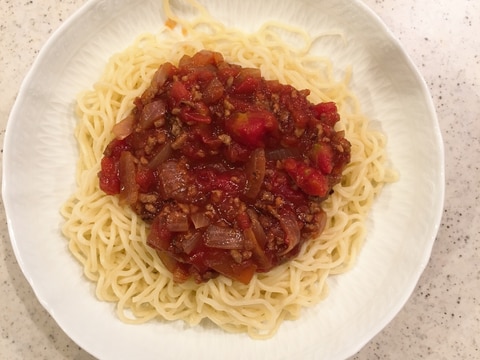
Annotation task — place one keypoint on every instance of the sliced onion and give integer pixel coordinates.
(158, 80)
(251, 243)
(124, 128)
(161, 75)
(173, 179)
(169, 262)
(151, 113)
(224, 238)
(177, 222)
(178, 269)
(161, 156)
(321, 219)
(257, 228)
(281, 153)
(159, 238)
(128, 184)
(289, 225)
(190, 243)
(255, 171)
(200, 220)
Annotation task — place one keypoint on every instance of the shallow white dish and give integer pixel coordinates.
(39, 166)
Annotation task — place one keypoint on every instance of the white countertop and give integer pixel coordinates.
(441, 320)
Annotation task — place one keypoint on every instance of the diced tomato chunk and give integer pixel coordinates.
(326, 113)
(227, 71)
(250, 128)
(179, 93)
(322, 156)
(309, 179)
(209, 180)
(145, 178)
(280, 183)
(192, 116)
(109, 180)
(213, 91)
(115, 148)
(247, 85)
(243, 221)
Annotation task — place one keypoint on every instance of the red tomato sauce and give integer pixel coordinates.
(230, 169)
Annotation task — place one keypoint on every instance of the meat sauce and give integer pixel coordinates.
(229, 168)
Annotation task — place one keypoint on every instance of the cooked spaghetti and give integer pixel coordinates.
(110, 239)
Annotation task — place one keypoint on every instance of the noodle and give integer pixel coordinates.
(109, 240)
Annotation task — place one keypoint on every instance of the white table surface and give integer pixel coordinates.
(441, 320)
